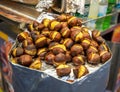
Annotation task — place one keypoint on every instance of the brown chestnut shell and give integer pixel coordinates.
(63, 70)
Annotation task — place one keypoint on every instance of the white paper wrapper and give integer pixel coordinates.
(75, 5)
(43, 5)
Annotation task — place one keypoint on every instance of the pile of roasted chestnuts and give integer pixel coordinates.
(58, 42)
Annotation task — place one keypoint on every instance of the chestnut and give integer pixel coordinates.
(72, 21)
(68, 57)
(99, 39)
(79, 60)
(79, 22)
(93, 58)
(68, 42)
(94, 43)
(55, 36)
(30, 27)
(40, 41)
(86, 43)
(25, 60)
(92, 49)
(68, 16)
(49, 58)
(49, 41)
(64, 24)
(46, 22)
(80, 71)
(35, 24)
(14, 60)
(42, 52)
(103, 47)
(34, 35)
(95, 33)
(17, 51)
(55, 25)
(77, 35)
(31, 50)
(105, 56)
(52, 44)
(40, 27)
(86, 34)
(84, 29)
(76, 49)
(27, 42)
(36, 64)
(75, 28)
(63, 70)
(65, 32)
(59, 48)
(22, 36)
(62, 18)
(59, 59)
(45, 32)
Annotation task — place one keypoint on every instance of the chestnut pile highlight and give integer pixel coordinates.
(59, 42)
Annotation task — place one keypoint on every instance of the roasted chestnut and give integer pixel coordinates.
(85, 32)
(55, 36)
(17, 51)
(27, 41)
(76, 49)
(34, 34)
(84, 29)
(40, 27)
(105, 56)
(86, 43)
(68, 57)
(49, 58)
(99, 39)
(22, 36)
(68, 42)
(79, 22)
(35, 24)
(36, 64)
(14, 60)
(93, 58)
(52, 44)
(94, 43)
(59, 59)
(79, 60)
(103, 47)
(64, 24)
(31, 50)
(92, 49)
(77, 35)
(95, 33)
(25, 60)
(62, 18)
(75, 28)
(63, 70)
(80, 71)
(46, 22)
(40, 41)
(55, 25)
(45, 32)
(49, 41)
(42, 52)
(72, 21)
(30, 27)
(59, 48)
(65, 32)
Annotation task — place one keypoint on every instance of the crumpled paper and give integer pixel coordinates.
(44, 5)
(75, 5)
